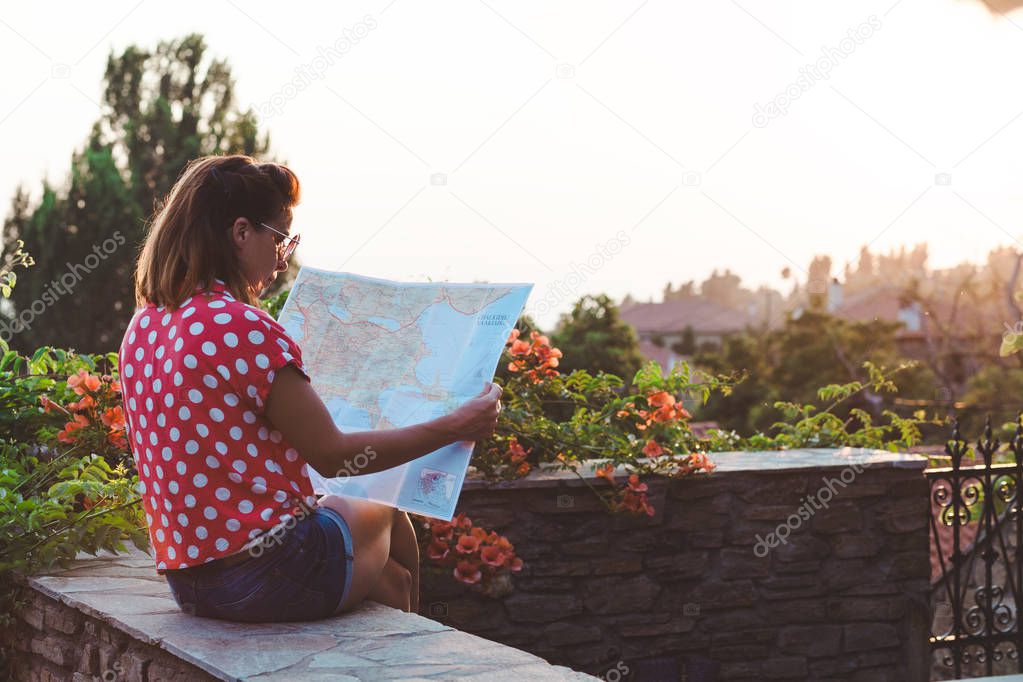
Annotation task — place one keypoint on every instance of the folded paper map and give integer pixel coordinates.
(385, 354)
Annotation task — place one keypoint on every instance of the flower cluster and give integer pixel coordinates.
(662, 408)
(475, 556)
(98, 405)
(631, 496)
(535, 358)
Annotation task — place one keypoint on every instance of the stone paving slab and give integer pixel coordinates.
(766, 461)
(372, 643)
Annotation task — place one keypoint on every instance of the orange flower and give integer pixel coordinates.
(513, 335)
(86, 403)
(462, 521)
(699, 460)
(661, 399)
(513, 563)
(82, 382)
(437, 550)
(520, 348)
(503, 545)
(115, 386)
(635, 486)
(467, 544)
(478, 533)
(516, 453)
(442, 530)
(47, 404)
(492, 556)
(653, 449)
(607, 471)
(637, 503)
(113, 418)
(523, 469)
(467, 572)
(67, 435)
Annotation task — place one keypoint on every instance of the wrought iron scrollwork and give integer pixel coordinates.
(977, 547)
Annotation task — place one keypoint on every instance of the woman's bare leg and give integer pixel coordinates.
(405, 550)
(394, 588)
(371, 526)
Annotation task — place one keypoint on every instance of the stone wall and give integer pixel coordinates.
(51, 642)
(112, 618)
(844, 598)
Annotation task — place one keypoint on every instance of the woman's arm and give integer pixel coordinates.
(294, 408)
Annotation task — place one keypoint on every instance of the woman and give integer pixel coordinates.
(224, 424)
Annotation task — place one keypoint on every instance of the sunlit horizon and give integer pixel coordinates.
(512, 152)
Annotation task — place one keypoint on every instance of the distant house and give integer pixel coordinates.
(660, 326)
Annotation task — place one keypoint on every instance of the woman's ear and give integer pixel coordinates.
(241, 231)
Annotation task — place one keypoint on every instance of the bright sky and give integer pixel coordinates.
(517, 142)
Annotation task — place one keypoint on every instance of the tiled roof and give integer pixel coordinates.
(674, 316)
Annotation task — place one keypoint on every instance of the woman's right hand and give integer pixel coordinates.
(476, 419)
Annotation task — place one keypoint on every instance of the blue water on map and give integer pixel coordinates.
(344, 413)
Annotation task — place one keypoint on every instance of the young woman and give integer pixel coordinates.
(224, 424)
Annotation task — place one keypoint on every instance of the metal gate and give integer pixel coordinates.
(976, 559)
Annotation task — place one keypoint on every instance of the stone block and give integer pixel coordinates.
(742, 563)
(906, 515)
(721, 595)
(561, 634)
(705, 539)
(790, 587)
(615, 595)
(55, 648)
(675, 626)
(774, 489)
(866, 608)
(843, 517)
(798, 567)
(62, 618)
(680, 565)
(541, 608)
(854, 546)
(33, 614)
(813, 641)
(784, 667)
(799, 611)
(869, 636)
(802, 547)
(617, 566)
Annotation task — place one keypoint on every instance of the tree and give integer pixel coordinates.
(593, 337)
(161, 109)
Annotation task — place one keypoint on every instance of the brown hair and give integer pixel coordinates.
(189, 244)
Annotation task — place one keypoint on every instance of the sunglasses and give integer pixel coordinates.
(290, 242)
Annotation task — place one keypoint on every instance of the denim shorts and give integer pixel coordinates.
(302, 573)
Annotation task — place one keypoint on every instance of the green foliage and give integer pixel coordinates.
(791, 363)
(809, 426)
(274, 303)
(600, 340)
(56, 503)
(162, 108)
(61, 492)
(17, 257)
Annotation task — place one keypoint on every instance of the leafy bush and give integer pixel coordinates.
(67, 482)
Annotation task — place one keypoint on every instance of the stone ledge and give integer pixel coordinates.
(125, 593)
(821, 460)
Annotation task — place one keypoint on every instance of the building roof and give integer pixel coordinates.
(705, 317)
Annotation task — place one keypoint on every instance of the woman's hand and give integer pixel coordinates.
(476, 419)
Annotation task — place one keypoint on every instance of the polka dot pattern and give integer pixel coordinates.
(212, 469)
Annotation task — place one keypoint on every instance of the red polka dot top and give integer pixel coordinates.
(213, 472)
